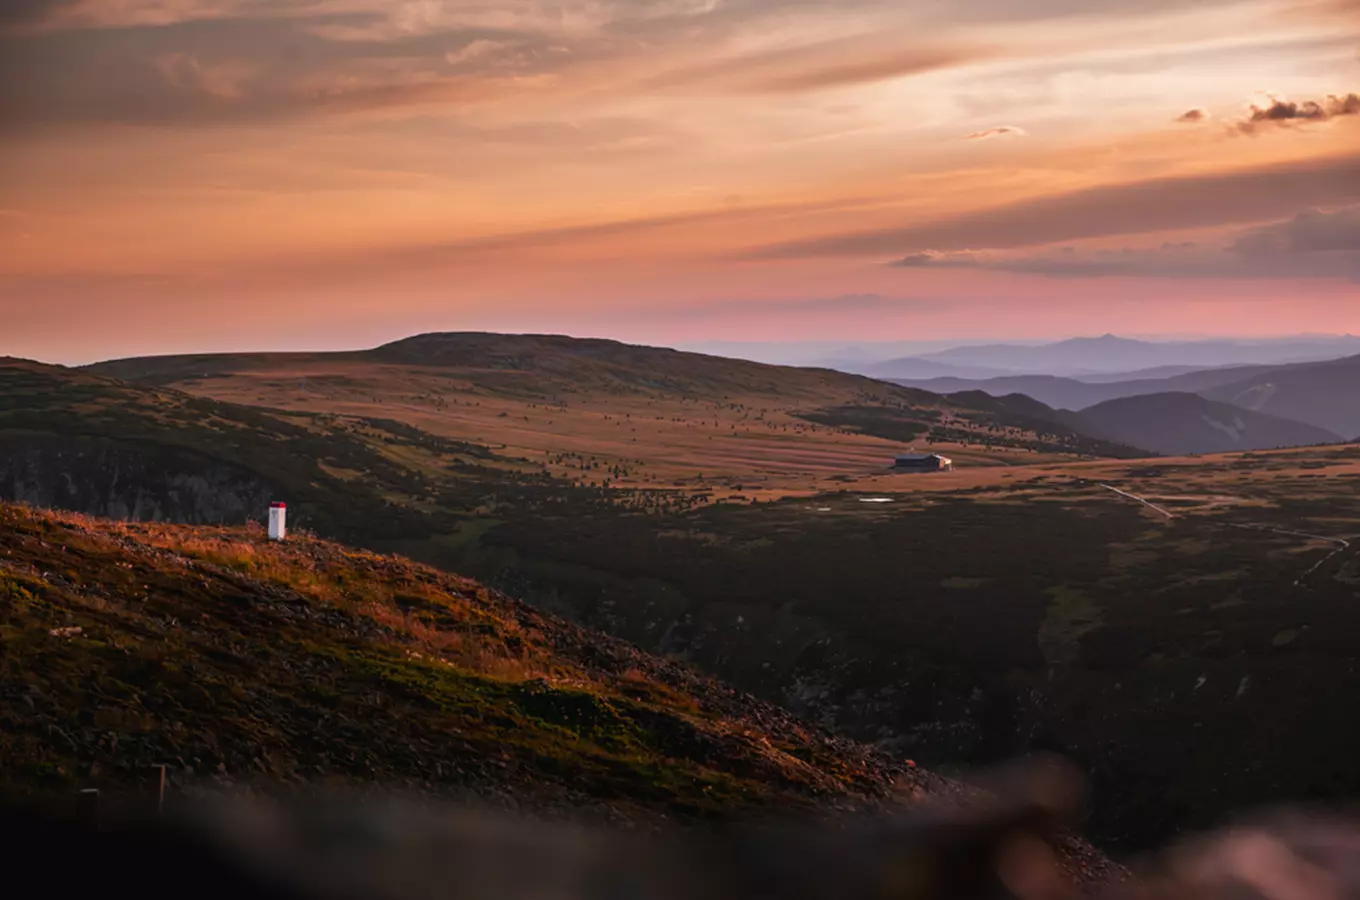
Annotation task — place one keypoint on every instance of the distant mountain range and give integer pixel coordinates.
(1109, 355)
(1324, 395)
(914, 367)
(1168, 423)
(1071, 393)
(1188, 423)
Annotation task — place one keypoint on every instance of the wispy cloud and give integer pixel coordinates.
(844, 305)
(998, 131)
(817, 66)
(1192, 116)
(1177, 203)
(847, 303)
(166, 63)
(1312, 244)
(242, 69)
(31, 12)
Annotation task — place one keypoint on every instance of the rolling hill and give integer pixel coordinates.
(1179, 423)
(74, 440)
(1324, 394)
(1051, 390)
(596, 410)
(129, 645)
(1167, 423)
(909, 368)
(241, 663)
(1078, 394)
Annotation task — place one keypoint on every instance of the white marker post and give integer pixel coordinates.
(278, 526)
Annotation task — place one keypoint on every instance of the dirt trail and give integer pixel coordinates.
(1341, 545)
(1148, 503)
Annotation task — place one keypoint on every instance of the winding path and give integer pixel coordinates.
(1341, 545)
(1148, 503)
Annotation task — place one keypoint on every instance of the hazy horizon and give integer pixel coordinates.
(792, 352)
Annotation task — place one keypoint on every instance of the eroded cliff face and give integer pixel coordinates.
(127, 480)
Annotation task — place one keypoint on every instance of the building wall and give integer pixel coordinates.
(928, 465)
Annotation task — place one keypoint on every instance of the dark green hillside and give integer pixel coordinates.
(73, 440)
(127, 646)
(969, 626)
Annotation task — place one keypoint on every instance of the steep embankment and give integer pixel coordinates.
(231, 659)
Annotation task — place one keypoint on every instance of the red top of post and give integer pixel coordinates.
(278, 506)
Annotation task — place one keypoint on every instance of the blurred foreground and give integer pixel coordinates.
(1005, 838)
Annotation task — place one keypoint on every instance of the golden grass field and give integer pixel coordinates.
(645, 419)
(751, 443)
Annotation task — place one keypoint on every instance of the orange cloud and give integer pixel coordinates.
(1312, 244)
(817, 66)
(1284, 113)
(1137, 207)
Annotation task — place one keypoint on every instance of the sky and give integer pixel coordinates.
(194, 175)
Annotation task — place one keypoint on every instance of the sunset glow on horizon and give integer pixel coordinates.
(194, 175)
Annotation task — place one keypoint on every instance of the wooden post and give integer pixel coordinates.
(160, 788)
(87, 805)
